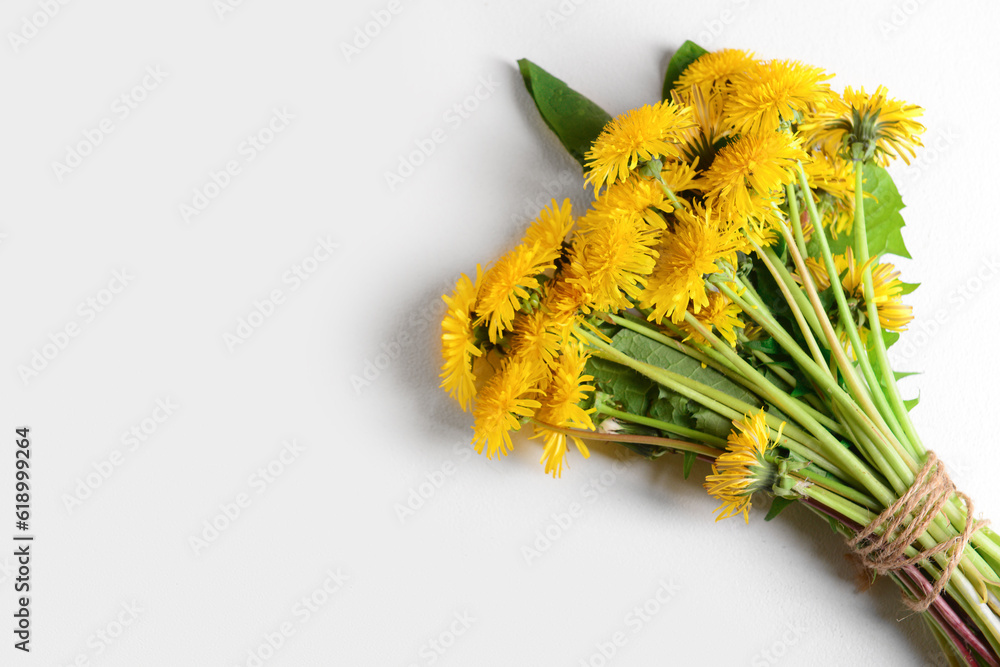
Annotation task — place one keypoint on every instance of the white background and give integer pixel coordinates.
(764, 594)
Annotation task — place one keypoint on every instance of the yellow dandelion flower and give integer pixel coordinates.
(886, 287)
(635, 199)
(743, 468)
(458, 341)
(850, 272)
(754, 332)
(687, 254)
(760, 221)
(714, 70)
(881, 128)
(504, 400)
(615, 255)
(807, 226)
(698, 143)
(506, 285)
(817, 269)
(832, 180)
(758, 163)
(638, 135)
(536, 338)
(720, 314)
(894, 315)
(548, 231)
(831, 175)
(567, 388)
(764, 95)
(568, 292)
(680, 176)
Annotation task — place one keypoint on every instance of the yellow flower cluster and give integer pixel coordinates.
(683, 189)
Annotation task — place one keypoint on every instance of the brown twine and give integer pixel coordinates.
(923, 500)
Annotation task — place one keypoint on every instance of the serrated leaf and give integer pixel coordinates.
(898, 375)
(908, 288)
(689, 459)
(777, 505)
(662, 409)
(672, 408)
(684, 56)
(630, 389)
(576, 120)
(882, 218)
(711, 422)
(639, 347)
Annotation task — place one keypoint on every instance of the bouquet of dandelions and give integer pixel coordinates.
(725, 299)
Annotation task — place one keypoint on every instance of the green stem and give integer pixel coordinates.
(889, 378)
(872, 420)
(773, 366)
(872, 403)
(678, 204)
(948, 648)
(795, 214)
(832, 447)
(801, 300)
(666, 443)
(872, 452)
(712, 359)
(959, 586)
(772, 262)
(729, 407)
(819, 375)
(682, 431)
(837, 486)
(838, 504)
(644, 329)
(818, 407)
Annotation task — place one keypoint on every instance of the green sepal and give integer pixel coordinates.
(777, 505)
(689, 459)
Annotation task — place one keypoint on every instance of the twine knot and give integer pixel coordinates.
(885, 553)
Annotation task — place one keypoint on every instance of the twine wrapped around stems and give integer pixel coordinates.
(884, 553)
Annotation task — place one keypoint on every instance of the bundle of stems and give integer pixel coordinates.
(724, 299)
